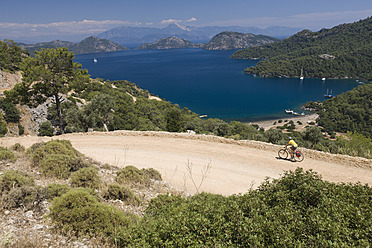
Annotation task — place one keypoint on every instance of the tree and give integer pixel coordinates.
(50, 74)
(173, 119)
(314, 135)
(102, 105)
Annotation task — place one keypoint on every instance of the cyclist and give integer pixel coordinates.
(293, 145)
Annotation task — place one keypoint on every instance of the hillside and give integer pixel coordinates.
(89, 45)
(169, 43)
(234, 40)
(340, 52)
(223, 41)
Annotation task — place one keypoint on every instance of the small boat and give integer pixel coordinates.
(328, 95)
(288, 111)
(202, 116)
(302, 76)
(323, 79)
(95, 60)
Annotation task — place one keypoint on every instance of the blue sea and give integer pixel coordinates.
(210, 83)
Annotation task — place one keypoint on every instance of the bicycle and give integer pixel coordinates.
(285, 152)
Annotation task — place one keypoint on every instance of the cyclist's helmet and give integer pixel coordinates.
(289, 137)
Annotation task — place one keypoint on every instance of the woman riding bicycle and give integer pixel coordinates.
(293, 146)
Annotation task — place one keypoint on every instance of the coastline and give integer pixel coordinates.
(268, 124)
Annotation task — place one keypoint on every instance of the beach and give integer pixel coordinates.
(305, 120)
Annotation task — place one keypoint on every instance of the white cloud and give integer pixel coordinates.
(84, 27)
(192, 19)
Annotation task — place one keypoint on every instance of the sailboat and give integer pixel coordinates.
(302, 71)
(329, 95)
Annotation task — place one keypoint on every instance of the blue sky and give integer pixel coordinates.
(74, 20)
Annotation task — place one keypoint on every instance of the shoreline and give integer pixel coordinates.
(268, 124)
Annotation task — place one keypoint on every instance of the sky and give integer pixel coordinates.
(74, 20)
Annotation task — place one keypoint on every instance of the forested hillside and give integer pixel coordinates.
(344, 51)
(350, 111)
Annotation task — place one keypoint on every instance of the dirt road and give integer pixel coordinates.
(235, 166)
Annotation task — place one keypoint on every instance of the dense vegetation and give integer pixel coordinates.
(340, 52)
(350, 111)
(297, 210)
(10, 56)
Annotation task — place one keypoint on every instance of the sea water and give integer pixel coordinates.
(210, 83)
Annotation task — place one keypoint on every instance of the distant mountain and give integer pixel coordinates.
(234, 40)
(89, 45)
(343, 51)
(128, 34)
(223, 41)
(170, 43)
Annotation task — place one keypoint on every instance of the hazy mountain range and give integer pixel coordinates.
(128, 34)
(91, 44)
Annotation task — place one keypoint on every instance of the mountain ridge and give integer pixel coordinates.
(130, 34)
(343, 51)
(223, 41)
(91, 44)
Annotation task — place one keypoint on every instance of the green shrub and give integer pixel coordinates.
(132, 175)
(80, 212)
(6, 155)
(152, 173)
(21, 129)
(46, 129)
(56, 158)
(3, 126)
(12, 114)
(28, 197)
(297, 210)
(55, 165)
(56, 190)
(86, 178)
(17, 147)
(14, 179)
(117, 192)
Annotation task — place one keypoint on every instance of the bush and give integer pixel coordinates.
(21, 129)
(117, 192)
(3, 126)
(12, 114)
(17, 147)
(28, 197)
(80, 212)
(152, 174)
(46, 129)
(14, 179)
(132, 175)
(55, 165)
(274, 135)
(56, 190)
(86, 178)
(297, 210)
(56, 158)
(6, 155)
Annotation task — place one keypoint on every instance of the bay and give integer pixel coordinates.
(210, 83)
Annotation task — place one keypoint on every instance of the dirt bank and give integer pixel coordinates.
(235, 166)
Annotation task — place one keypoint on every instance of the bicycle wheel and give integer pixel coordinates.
(299, 158)
(283, 153)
